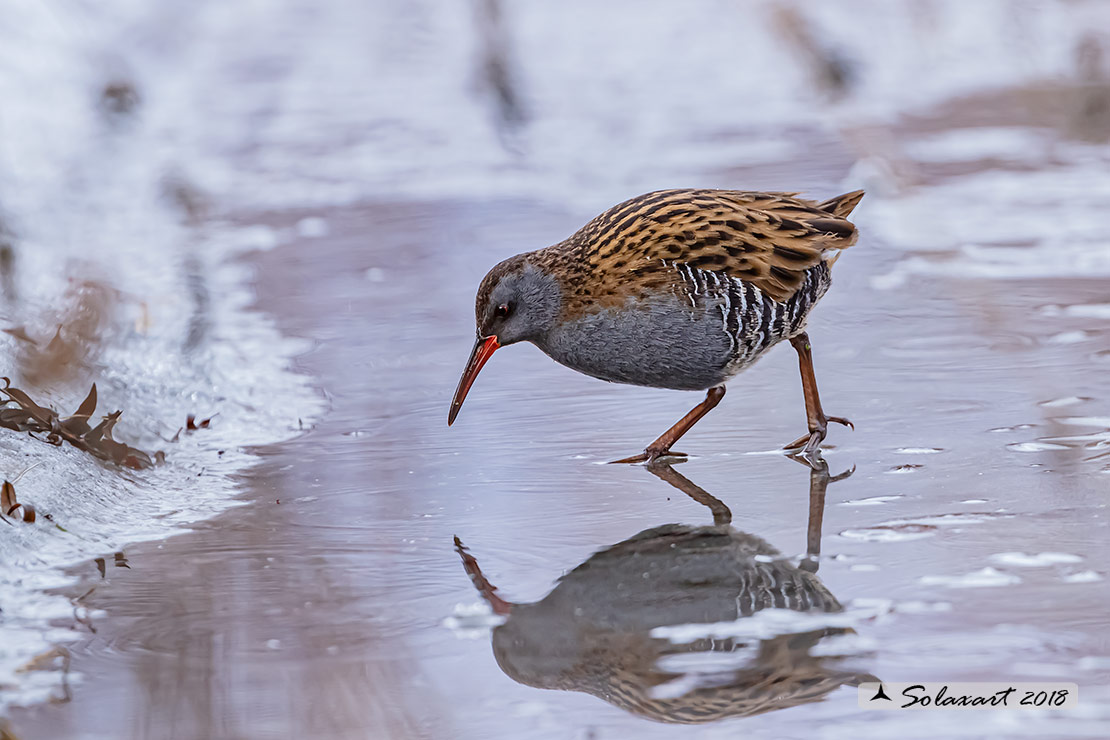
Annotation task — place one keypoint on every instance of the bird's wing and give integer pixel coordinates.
(767, 239)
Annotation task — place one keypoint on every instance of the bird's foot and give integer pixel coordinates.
(808, 444)
(651, 455)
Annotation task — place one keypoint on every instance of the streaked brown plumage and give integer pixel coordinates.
(766, 239)
(625, 298)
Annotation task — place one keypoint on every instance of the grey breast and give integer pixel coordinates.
(708, 328)
(662, 342)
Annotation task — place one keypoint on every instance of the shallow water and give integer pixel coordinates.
(965, 336)
(336, 603)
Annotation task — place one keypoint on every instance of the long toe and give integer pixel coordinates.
(649, 456)
(641, 458)
(797, 444)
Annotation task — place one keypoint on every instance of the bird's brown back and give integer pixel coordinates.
(630, 251)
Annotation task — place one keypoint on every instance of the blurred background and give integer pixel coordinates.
(276, 212)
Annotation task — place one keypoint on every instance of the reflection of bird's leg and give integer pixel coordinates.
(664, 471)
(485, 588)
(819, 480)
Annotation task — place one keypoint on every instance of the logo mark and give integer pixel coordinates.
(880, 694)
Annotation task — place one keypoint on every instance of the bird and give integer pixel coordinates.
(680, 289)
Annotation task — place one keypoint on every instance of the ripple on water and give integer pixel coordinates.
(1056, 403)
(904, 530)
(937, 649)
(928, 347)
(870, 501)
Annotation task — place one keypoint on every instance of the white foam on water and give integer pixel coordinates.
(923, 607)
(990, 210)
(843, 646)
(971, 144)
(1070, 337)
(472, 621)
(985, 578)
(769, 623)
(1093, 663)
(1081, 310)
(1085, 576)
(1086, 421)
(1040, 560)
(889, 534)
(1034, 446)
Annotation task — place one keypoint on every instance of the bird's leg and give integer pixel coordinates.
(487, 590)
(662, 446)
(818, 422)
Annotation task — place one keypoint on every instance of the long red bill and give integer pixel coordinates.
(484, 348)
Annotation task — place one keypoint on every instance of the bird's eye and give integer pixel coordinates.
(502, 311)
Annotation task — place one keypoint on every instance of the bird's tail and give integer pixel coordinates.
(842, 205)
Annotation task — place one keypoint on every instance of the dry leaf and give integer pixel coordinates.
(9, 505)
(75, 429)
(191, 423)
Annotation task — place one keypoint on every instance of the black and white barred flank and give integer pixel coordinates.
(752, 320)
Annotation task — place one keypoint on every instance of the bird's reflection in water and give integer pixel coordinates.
(594, 631)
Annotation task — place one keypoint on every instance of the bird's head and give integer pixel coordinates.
(517, 302)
